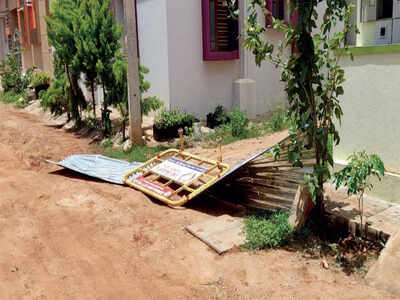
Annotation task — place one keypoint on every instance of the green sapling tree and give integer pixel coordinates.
(356, 176)
(312, 76)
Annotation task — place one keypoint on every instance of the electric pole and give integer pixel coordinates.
(135, 116)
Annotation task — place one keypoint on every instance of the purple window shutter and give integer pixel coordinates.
(281, 10)
(268, 17)
(294, 17)
(208, 53)
(112, 5)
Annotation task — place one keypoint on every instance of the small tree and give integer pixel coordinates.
(312, 76)
(12, 78)
(355, 176)
(97, 43)
(61, 33)
(118, 91)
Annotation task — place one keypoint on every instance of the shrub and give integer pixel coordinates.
(267, 230)
(174, 118)
(168, 122)
(278, 121)
(12, 97)
(56, 96)
(41, 78)
(218, 117)
(9, 97)
(239, 122)
(151, 103)
(12, 78)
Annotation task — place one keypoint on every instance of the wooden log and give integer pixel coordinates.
(277, 188)
(306, 162)
(267, 205)
(276, 180)
(267, 197)
(263, 190)
(272, 172)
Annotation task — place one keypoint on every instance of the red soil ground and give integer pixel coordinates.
(64, 236)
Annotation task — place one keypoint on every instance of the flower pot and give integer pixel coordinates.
(40, 88)
(165, 134)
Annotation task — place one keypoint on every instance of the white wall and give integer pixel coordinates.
(153, 45)
(170, 37)
(196, 86)
(269, 88)
(371, 107)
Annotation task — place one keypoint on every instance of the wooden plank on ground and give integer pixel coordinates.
(220, 233)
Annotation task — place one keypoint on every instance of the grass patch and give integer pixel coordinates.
(137, 153)
(266, 230)
(12, 97)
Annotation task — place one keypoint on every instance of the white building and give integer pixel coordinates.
(195, 59)
(195, 70)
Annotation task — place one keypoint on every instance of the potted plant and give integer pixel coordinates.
(40, 82)
(168, 122)
(218, 117)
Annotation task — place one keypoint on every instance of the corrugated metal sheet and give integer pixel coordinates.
(98, 166)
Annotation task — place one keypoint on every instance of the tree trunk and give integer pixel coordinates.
(123, 122)
(93, 100)
(74, 105)
(135, 116)
(308, 53)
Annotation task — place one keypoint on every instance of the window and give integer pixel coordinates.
(220, 31)
(384, 9)
(277, 10)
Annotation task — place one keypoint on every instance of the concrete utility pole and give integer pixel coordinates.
(135, 116)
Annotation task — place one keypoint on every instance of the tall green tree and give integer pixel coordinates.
(312, 75)
(97, 41)
(61, 33)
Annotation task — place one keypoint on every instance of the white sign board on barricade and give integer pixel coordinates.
(178, 170)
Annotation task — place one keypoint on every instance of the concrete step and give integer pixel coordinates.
(385, 273)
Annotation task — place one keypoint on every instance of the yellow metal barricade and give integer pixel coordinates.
(175, 177)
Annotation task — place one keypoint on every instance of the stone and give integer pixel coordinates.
(69, 125)
(301, 208)
(104, 142)
(117, 138)
(385, 272)
(197, 129)
(127, 146)
(31, 95)
(206, 130)
(21, 100)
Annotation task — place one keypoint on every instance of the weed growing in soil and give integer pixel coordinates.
(267, 230)
(231, 133)
(13, 97)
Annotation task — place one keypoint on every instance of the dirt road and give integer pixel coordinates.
(67, 237)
